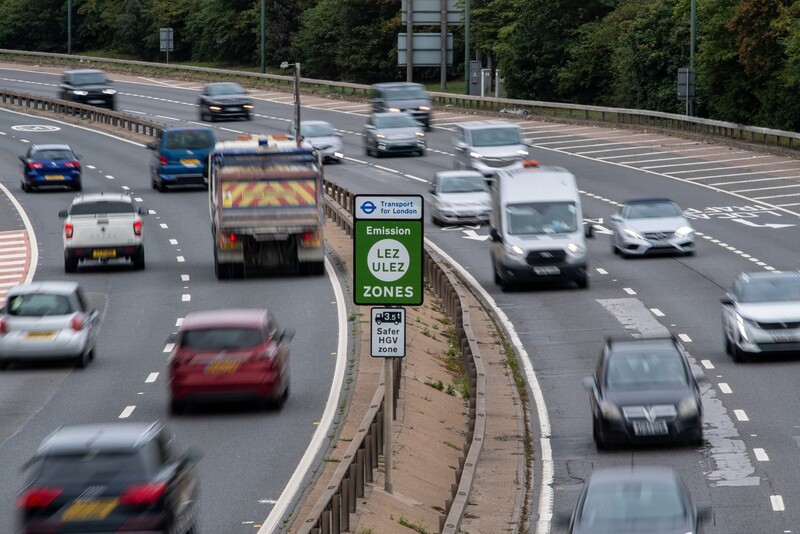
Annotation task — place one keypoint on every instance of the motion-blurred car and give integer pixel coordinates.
(488, 146)
(322, 137)
(47, 320)
(460, 197)
(634, 500)
(644, 391)
(110, 477)
(761, 314)
(231, 354)
(180, 156)
(87, 86)
(403, 97)
(649, 226)
(50, 165)
(222, 100)
(393, 133)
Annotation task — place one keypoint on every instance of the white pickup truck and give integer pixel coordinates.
(103, 227)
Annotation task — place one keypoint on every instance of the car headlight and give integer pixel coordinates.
(424, 108)
(420, 134)
(109, 91)
(610, 411)
(741, 323)
(475, 155)
(574, 248)
(380, 136)
(80, 93)
(683, 231)
(514, 250)
(394, 110)
(247, 106)
(688, 407)
(634, 234)
(215, 108)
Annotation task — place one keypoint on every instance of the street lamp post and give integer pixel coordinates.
(69, 26)
(286, 65)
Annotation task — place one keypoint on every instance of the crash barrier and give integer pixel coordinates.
(331, 512)
(684, 124)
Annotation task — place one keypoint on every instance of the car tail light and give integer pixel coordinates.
(68, 229)
(35, 165)
(72, 164)
(162, 160)
(38, 497)
(310, 239)
(3, 326)
(143, 494)
(137, 228)
(77, 322)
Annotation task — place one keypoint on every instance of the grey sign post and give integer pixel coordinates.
(686, 87)
(166, 39)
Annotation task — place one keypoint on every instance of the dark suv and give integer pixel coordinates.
(403, 96)
(644, 391)
(110, 478)
(87, 86)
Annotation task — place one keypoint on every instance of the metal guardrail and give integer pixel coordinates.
(729, 131)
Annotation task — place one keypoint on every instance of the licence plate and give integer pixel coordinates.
(90, 510)
(222, 367)
(40, 335)
(547, 269)
(648, 428)
(190, 162)
(96, 101)
(784, 337)
(104, 253)
(53, 177)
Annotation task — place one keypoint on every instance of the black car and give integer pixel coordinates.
(634, 500)
(402, 96)
(644, 391)
(224, 100)
(115, 477)
(87, 86)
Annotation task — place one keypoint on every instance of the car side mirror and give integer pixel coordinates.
(495, 235)
(62, 214)
(142, 211)
(287, 335)
(726, 299)
(23, 159)
(588, 230)
(432, 191)
(151, 145)
(700, 377)
(589, 383)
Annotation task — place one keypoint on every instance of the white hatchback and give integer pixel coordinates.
(460, 197)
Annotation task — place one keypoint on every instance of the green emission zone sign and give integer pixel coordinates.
(387, 250)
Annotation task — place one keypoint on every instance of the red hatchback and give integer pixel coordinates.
(229, 355)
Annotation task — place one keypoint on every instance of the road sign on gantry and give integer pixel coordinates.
(387, 250)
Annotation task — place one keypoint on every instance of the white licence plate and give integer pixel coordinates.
(782, 337)
(547, 270)
(648, 428)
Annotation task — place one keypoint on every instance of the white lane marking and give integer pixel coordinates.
(137, 199)
(184, 277)
(725, 388)
(186, 297)
(740, 415)
(657, 312)
(271, 523)
(109, 177)
(34, 259)
(168, 347)
(707, 364)
(685, 338)
(629, 291)
(761, 455)
(163, 225)
(601, 271)
(173, 241)
(777, 503)
(179, 321)
(151, 378)
(180, 259)
(125, 187)
(127, 412)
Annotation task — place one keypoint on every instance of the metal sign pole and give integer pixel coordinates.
(388, 411)
(410, 42)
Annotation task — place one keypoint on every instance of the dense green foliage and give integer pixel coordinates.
(617, 53)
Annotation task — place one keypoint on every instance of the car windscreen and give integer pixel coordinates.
(538, 218)
(222, 338)
(405, 93)
(496, 137)
(225, 89)
(464, 184)
(101, 208)
(646, 370)
(39, 305)
(396, 121)
(94, 466)
(771, 290)
(89, 78)
(189, 140)
(51, 154)
(653, 210)
(317, 130)
(644, 505)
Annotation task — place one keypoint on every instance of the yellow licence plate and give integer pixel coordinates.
(53, 177)
(191, 162)
(222, 367)
(40, 335)
(90, 510)
(104, 253)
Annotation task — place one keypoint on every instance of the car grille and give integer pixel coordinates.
(229, 102)
(779, 325)
(660, 412)
(657, 236)
(499, 163)
(545, 257)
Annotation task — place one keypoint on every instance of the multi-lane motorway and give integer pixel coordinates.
(745, 206)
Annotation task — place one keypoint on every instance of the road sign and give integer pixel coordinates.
(429, 12)
(427, 49)
(166, 39)
(388, 332)
(387, 250)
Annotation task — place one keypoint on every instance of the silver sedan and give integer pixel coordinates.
(322, 136)
(47, 320)
(649, 226)
(460, 197)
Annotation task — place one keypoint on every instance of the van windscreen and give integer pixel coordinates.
(537, 218)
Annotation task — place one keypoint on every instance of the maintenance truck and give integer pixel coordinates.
(266, 207)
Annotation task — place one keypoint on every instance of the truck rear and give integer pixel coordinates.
(265, 203)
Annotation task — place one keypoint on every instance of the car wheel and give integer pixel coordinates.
(739, 355)
(583, 282)
(24, 185)
(82, 361)
(505, 285)
(697, 438)
(92, 354)
(597, 435)
(177, 407)
(153, 183)
(4, 365)
(277, 404)
(161, 186)
(435, 220)
(77, 186)
(138, 261)
(248, 117)
(728, 344)
(423, 152)
(70, 264)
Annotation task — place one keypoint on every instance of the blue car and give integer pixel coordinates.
(180, 157)
(50, 166)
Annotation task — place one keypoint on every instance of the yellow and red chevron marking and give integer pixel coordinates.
(272, 193)
(15, 259)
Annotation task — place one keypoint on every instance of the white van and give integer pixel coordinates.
(537, 227)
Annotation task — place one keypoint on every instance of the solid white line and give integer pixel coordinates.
(34, 260)
(186, 297)
(320, 436)
(685, 338)
(777, 503)
(707, 364)
(629, 291)
(725, 388)
(151, 378)
(761, 455)
(740, 415)
(168, 347)
(127, 412)
(657, 312)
